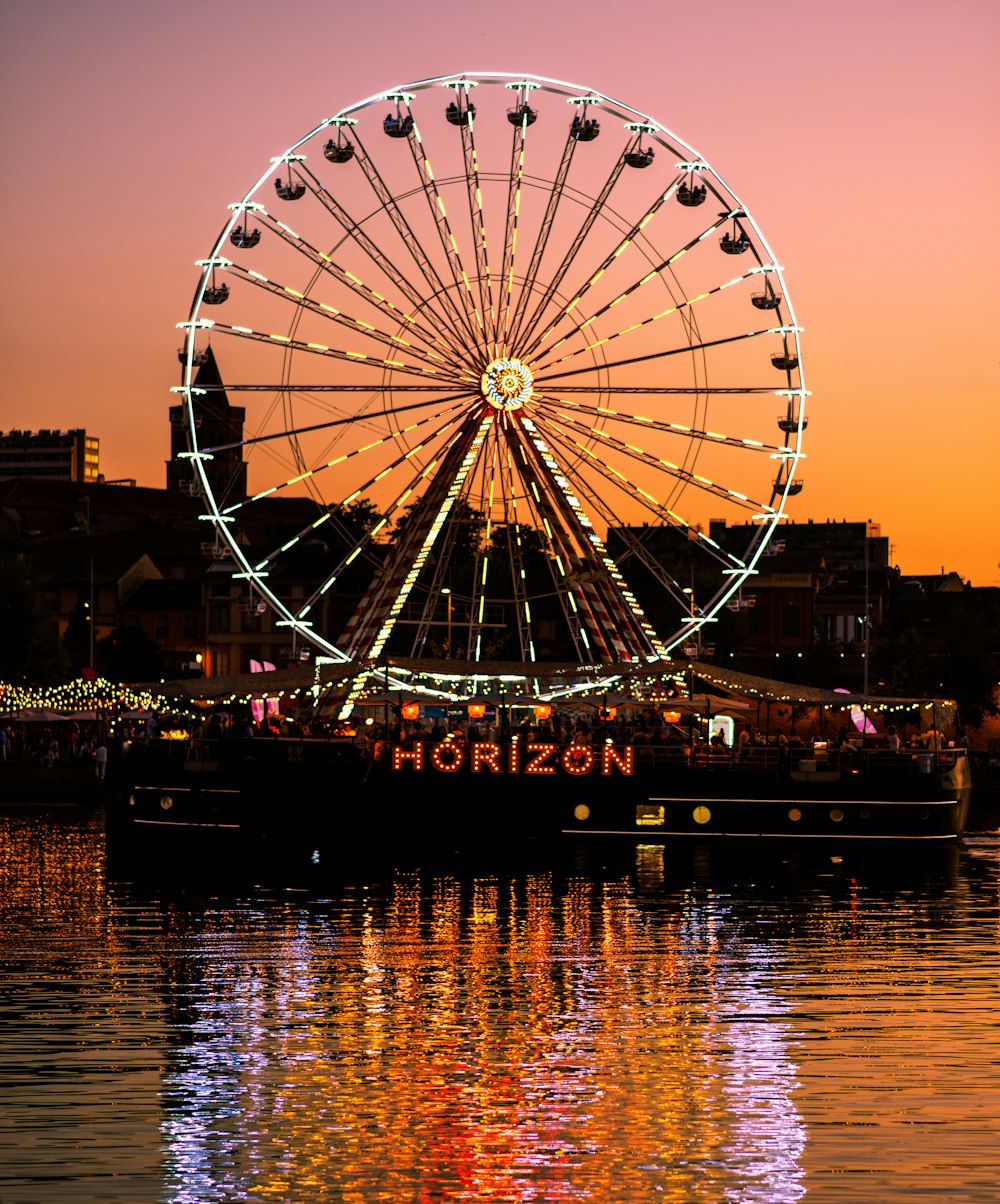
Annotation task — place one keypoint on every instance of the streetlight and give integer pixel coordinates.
(696, 633)
(447, 594)
(864, 688)
(89, 606)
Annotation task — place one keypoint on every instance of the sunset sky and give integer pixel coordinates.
(863, 137)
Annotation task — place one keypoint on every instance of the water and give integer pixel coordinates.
(687, 1025)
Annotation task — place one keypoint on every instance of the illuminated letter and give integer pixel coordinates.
(578, 759)
(487, 753)
(447, 756)
(414, 755)
(537, 754)
(514, 756)
(625, 760)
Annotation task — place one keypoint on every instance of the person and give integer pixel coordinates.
(717, 750)
(4, 741)
(101, 760)
(892, 738)
(743, 743)
(51, 753)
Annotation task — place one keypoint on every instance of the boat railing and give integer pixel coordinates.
(204, 753)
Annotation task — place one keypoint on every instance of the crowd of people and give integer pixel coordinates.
(71, 742)
(51, 744)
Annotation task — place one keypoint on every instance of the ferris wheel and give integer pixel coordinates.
(518, 377)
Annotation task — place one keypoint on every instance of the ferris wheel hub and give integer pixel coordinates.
(507, 384)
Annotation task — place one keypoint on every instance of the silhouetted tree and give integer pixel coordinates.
(128, 654)
(955, 658)
(29, 643)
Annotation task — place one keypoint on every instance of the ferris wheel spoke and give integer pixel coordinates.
(675, 472)
(580, 237)
(557, 567)
(622, 628)
(481, 564)
(636, 549)
(670, 390)
(449, 245)
(655, 355)
(375, 617)
(265, 440)
(622, 246)
(516, 556)
(550, 406)
(597, 498)
(349, 280)
(385, 263)
(564, 566)
(384, 519)
(350, 420)
(375, 390)
(332, 512)
(445, 549)
(465, 115)
(324, 351)
(542, 238)
(521, 116)
(679, 309)
(445, 307)
(309, 474)
(330, 313)
(647, 501)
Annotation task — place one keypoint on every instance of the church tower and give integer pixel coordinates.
(220, 425)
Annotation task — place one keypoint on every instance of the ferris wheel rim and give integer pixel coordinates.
(218, 516)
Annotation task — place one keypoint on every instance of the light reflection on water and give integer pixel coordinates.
(675, 1025)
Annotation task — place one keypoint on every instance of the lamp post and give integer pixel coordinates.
(864, 688)
(90, 603)
(447, 594)
(697, 633)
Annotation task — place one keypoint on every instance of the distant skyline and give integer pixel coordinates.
(863, 138)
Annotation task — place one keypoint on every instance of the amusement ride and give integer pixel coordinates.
(520, 351)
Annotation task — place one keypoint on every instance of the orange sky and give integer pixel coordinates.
(863, 138)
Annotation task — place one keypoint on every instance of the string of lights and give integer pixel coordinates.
(444, 686)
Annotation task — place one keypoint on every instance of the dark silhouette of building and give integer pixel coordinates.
(219, 426)
(57, 455)
(843, 545)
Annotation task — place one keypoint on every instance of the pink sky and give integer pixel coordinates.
(862, 136)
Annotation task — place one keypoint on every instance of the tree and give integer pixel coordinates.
(953, 658)
(128, 654)
(29, 649)
(76, 638)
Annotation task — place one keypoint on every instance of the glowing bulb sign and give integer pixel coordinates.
(449, 756)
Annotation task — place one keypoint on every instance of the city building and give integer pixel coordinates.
(55, 455)
(843, 545)
(107, 558)
(220, 426)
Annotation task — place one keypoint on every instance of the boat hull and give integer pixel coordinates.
(327, 794)
(899, 797)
